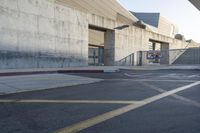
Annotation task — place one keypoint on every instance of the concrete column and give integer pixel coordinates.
(164, 53)
(154, 45)
(109, 48)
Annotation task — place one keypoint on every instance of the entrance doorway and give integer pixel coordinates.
(96, 55)
(96, 46)
(101, 46)
(157, 54)
(154, 53)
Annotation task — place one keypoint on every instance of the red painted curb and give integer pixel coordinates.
(49, 72)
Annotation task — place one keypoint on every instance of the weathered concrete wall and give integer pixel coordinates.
(44, 33)
(96, 37)
(41, 33)
(131, 40)
(187, 56)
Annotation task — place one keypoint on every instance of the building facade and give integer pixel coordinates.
(65, 33)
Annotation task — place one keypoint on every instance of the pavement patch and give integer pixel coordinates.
(15, 84)
(106, 90)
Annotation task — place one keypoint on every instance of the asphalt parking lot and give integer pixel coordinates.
(142, 101)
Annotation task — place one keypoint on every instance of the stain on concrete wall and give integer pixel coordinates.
(44, 33)
(41, 33)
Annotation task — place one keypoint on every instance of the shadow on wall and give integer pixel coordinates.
(186, 56)
(17, 60)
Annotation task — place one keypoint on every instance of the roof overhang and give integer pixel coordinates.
(196, 3)
(107, 8)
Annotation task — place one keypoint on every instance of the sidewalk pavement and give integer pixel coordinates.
(15, 84)
(94, 69)
(162, 67)
(20, 80)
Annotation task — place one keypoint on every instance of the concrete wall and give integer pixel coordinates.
(44, 33)
(96, 37)
(40, 33)
(187, 56)
(133, 39)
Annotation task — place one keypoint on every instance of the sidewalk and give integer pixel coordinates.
(15, 84)
(94, 69)
(20, 80)
(162, 67)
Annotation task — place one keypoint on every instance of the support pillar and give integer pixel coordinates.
(164, 53)
(109, 48)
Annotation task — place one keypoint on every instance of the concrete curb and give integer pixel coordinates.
(196, 68)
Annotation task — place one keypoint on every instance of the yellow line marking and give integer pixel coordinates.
(197, 104)
(168, 93)
(98, 119)
(68, 101)
(106, 116)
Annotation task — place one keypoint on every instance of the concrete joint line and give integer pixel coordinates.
(106, 116)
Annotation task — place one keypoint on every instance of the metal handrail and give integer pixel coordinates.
(180, 50)
(131, 56)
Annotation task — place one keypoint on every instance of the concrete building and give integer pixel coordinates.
(63, 33)
(158, 23)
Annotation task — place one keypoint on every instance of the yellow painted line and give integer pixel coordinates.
(168, 93)
(197, 104)
(68, 101)
(106, 116)
(98, 119)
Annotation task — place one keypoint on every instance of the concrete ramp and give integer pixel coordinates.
(189, 56)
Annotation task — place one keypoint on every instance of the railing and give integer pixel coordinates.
(189, 56)
(127, 61)
(180, 52)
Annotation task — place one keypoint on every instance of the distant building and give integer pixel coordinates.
(158, 23)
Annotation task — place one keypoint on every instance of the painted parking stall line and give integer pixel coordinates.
(68, 101)
(106, 116)
(197, 104)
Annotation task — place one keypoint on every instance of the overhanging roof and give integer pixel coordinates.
(196, 3)
(106, 8)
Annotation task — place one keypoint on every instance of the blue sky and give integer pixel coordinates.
(180, 12)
